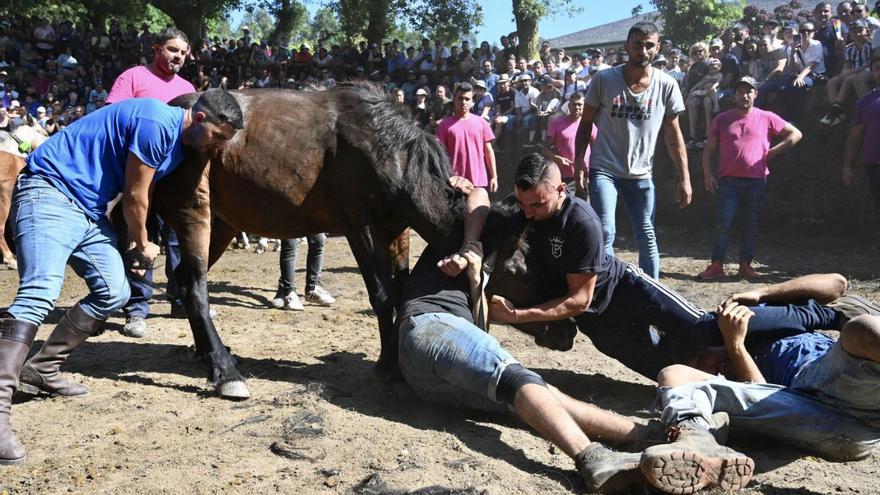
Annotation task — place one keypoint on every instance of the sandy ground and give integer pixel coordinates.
(150, 425)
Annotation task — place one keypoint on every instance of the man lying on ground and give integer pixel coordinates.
(445, 357)
(807, 390)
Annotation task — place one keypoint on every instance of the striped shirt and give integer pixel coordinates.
(857, 57)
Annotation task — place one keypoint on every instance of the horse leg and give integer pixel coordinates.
(398, 255)
(10, 166)
(376, 271)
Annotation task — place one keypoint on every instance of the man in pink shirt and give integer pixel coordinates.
(743, 135)
(468, 140)
(159, 78)
(559, 147)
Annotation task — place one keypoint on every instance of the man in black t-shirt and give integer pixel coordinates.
(627, 314)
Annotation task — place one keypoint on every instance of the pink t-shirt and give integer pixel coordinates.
(139, 82)
(561, 133)
(744, 141)
(464, 140)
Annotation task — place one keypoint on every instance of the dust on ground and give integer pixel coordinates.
(321, 421)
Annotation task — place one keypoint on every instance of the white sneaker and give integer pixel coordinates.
(320, 296)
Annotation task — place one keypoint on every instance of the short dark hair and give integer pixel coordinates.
(219, 106)
(531, 170)
(643, 28)
(169, 33)
(463, 87)
(577, 96)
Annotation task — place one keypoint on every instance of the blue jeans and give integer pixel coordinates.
(648, 326)
(527, 121)
(774, 411)
(638, 197)
(447, 359)
(733, 191)
(790, 99)
(52, 231)
(314, 260)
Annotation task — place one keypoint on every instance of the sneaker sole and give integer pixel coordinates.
(28, 389)
(678, 472)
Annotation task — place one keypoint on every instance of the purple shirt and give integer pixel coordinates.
(867, 113)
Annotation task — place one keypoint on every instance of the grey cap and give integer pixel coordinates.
(748, 80)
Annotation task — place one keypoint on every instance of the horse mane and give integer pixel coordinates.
(505, 233)
(424, 176)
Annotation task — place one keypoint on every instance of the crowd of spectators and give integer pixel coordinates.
(58, 72)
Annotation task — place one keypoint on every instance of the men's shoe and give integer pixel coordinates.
(691, 144)
(135, 327)
(608, 471)
(837, 120)
(827, 119)
(715, 270)
(849, 306)
(747, 272)
(287, 300)
(695, 461)
(701, 144)
(320, 296)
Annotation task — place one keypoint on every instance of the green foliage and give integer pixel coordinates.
(447, 20)
(51, 10)
(259, 21)
(689, 21)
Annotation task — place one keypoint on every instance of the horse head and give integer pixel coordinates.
(516, 277)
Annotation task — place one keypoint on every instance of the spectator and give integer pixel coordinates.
(805, 65)
(697, 54)
(751, 58)
(285, 296)
(525, 107)
(673, 68)
(504, 106)
(96, 95)
(743, 137)
(484, 104)
(771, 63)
(864, 138)
(570, 85)
(856, 58)
(560, 147)
(703, 96)
(547, 103)
(829, 33)
(629, 113)
(420, 108)
(441, 107)
(487, 74)
(468, 140)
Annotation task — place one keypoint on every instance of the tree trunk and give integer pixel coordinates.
(527, 28)
(378, 25)
(286, 20)
(187, 18)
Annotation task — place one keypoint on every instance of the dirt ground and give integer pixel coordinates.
(150, 425)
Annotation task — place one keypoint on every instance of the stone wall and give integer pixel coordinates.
(804, 188)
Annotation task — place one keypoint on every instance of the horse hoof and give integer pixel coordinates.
(235, 390)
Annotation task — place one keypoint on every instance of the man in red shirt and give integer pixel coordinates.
(159, 80)
(468, 140)
(559, 147)
(742, 136)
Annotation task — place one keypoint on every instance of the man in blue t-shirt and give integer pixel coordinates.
(808, 390)
(59, 206)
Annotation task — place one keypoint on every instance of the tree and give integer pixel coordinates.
(190, 16)
(689, 21)
(528, 13)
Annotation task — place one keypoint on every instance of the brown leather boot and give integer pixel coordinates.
(16, 337)
(40, 374)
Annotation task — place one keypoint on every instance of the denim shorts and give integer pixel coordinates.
(449, 360)
(845, 381)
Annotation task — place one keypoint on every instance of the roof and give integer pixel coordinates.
(615, 32)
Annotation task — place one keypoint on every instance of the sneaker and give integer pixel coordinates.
(605, 470)
(320, 296)
(850, 306)
(827, 119)
(837, 120)
(287, 300)
(695, 461)
(701, 144)
(135, 327)
(691, 144)
(747, 272)
(262, 245)
(715, 270)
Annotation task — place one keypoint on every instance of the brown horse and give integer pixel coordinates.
(343, 161)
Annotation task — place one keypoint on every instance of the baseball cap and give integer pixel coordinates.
(523, 77)
(713, 61)
(14, 104)
(859, 23)
(421, 91)
(716, 42)
(245, 28)
(41, 109)
(748, 80)
(480, 83)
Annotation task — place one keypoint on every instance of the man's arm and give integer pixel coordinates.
(733, 320)
(584, 133)
(476, 211)
(578, 299)
(136, 204)
(709, 180)
(823, 287)
(853, 143)
(790, 135)
(491, 169)
(675, 145)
